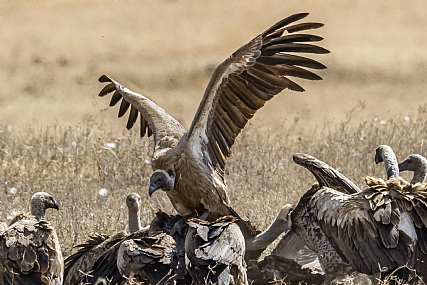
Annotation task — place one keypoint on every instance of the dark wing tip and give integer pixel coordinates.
(107, 89)
(104, 78)
(286, 21)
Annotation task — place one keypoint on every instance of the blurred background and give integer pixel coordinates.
(52, 54)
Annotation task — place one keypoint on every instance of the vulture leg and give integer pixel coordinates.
(204, 215)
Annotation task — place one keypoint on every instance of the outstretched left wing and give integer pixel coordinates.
(246, 80)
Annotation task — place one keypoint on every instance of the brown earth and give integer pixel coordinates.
(52, 54)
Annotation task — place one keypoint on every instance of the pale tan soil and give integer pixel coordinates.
(53, 53)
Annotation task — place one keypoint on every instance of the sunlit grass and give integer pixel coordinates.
(91, 169)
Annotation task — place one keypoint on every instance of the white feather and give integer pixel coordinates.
(407, 226)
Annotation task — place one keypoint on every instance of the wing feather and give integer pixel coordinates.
(124, 106)
(30, 253)
(366, 242)
(133, 116)
(249, 78)
(154, 120)
(326, 175)
(290, 59)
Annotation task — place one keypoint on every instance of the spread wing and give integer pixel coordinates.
(154, 120)
(30, 254)
(245, 81)
(101, 261)
(363, 228)
(326, 175)
(75, 263)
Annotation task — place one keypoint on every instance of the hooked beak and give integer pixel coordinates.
(56, 205)
(153, 187)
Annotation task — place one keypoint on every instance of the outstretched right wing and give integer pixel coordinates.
(325, 174)
(154, 120)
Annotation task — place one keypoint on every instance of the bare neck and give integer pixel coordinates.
(420, 173)
(264, 239)
(134, 221)
(38, 211)
(390, 163)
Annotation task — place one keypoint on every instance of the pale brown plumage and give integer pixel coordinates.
(30, 252)
(158, 258)
(240, 86)
(215, 251)
(84, 266)
(416, 163)
(152, 255)
(370, 231)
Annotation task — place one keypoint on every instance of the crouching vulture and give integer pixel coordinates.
(373, 231)
(190, 164)
(30, 251)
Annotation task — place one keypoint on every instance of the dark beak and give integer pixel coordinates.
(56, 205)
(153, 187)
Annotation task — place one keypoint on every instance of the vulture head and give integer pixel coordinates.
(379, 154)
(283, 219)
(412, 163)
(416, 163)
(133, 202)
(41, 201)
(161, 179)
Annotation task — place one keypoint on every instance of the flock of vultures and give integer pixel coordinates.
(335, 234)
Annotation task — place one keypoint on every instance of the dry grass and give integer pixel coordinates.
(75, 163)
(54, 130)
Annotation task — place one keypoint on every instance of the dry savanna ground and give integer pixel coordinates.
(57, 136)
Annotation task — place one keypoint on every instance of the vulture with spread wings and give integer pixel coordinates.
(190, 164)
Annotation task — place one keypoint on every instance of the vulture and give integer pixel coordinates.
(147, 256)
(291, 246)
(416, 163)
(158, 258)
(30, 251)
(190, 164)
(80, 267)
(373, 231)
(214, 252)
(154, 255)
